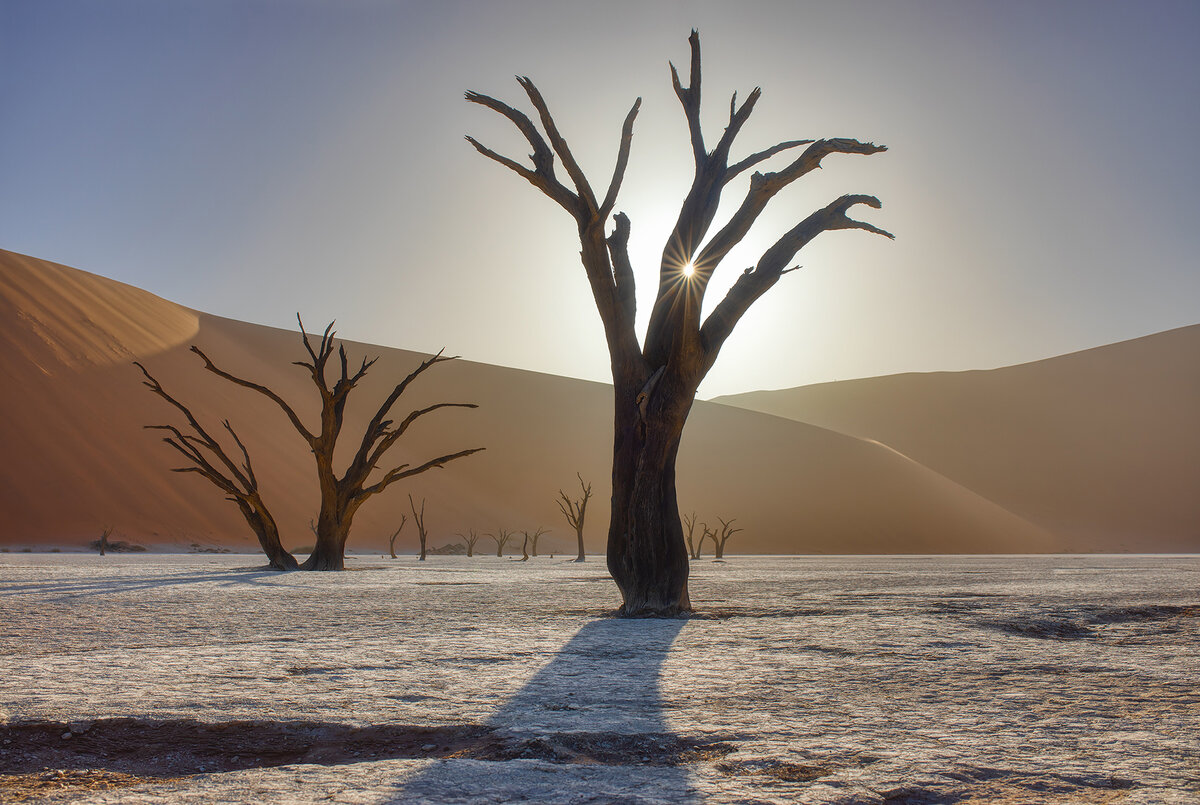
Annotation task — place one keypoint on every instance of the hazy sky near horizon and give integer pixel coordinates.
(255, 158)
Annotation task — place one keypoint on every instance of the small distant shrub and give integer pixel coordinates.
(119, 546)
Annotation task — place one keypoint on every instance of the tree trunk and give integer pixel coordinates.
(330, 551)
(720, 551)
(647, 552)
(267, 532)
(579, 536)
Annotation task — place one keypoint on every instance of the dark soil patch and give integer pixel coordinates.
(46, 756)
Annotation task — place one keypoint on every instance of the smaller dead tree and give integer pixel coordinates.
(576, 510)
(501, 538)
(470, 538)
(239, 483)
(719, 540)
(525, 547)
(396, 533)
(689, 520)
(419, 519)
(341, 496)
(104, 535)
(534, 537)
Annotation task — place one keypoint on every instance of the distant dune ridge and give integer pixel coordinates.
(1101, 446)
(77, 458)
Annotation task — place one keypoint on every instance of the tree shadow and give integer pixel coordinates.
(589, 726)
(67, 589)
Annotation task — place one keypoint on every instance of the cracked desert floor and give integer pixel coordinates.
(203, 679)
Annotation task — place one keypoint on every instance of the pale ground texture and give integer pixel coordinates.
(1064, 679)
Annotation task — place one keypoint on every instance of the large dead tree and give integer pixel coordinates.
(576, 511)
(655, 381)
(719, 540)
(237, 480)
(341, 495)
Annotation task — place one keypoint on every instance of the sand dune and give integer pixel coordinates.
(77, 458)
(1102, 446)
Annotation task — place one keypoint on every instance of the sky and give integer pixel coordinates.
(258, 158)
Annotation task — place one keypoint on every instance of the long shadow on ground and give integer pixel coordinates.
(589, 726)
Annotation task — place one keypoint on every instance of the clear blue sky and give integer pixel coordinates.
(254, 158)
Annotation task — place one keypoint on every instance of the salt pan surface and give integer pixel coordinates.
(823, 680)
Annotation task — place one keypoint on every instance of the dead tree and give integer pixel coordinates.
(525, 547)
(104, 535)
(708, 533)
(341, 497)
(719, 540)
(533, 539)
(501, 538)
(689, 522)
(419, 519)
(470, 538)
(396, 533)
(655, 381)
(575, 511)
(209, 460)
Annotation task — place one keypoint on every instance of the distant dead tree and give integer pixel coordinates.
(689, 522)
(719, 540)
(575, 511)
(501, 538)
(104, 535)
(341, 496)
(419, 519)
(469, 538)
(708, 533)
(396, 533)
(655, 382)
(534, 537)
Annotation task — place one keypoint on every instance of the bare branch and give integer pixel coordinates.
(764, 187)
(560, 145)
(253, 481)
(618, 251)
(542, 176)
(555, 191)
(542, 157)
(610, 198)
(753, 284)
(263, 390)
(689, 98)
(760, 156)
(205, 438)
(402, 471)
(377, 428)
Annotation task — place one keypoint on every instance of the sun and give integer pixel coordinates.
(689, 270)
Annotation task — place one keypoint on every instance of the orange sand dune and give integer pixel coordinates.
(76, 456)
(1102, 446)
